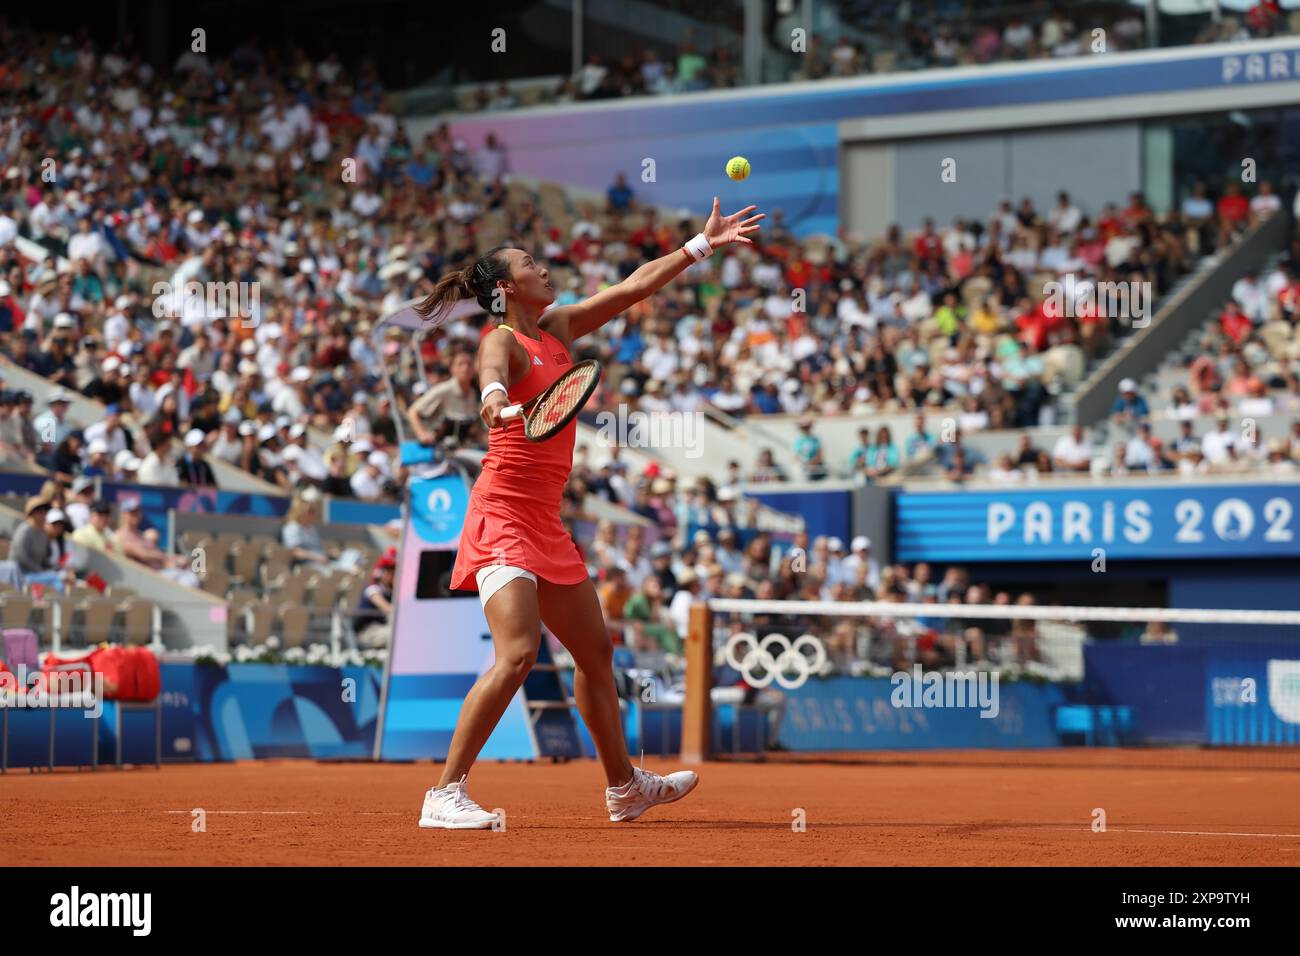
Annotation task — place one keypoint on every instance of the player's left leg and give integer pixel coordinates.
(572, 613)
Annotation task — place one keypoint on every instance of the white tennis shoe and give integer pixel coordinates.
(450, 808)
(646, 790)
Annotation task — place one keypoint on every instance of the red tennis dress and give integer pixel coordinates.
(514, 507)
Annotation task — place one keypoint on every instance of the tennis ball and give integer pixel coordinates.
(738, 168)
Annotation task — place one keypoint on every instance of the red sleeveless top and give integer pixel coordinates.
(514, 508)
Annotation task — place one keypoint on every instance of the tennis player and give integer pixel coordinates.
(514, 550)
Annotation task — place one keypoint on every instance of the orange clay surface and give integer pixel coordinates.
(964, 809)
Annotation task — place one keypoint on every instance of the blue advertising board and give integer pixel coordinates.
(1252, 696)
(1221, 694)
(253, 711)
(825, 512)
(351, 511)
(1128, 521)
(859, 713)
(1162, 685)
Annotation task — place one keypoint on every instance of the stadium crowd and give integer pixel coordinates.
(646, 593)
(291, 186)
(196, 177)
(875, 39)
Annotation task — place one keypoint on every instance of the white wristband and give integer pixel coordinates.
(698, 247)
(491, 387)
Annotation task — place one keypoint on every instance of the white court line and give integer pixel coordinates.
(1110, 829)
(879, 824)
(357, 813)
(267, 812)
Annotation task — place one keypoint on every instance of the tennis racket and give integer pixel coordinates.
(545, 415)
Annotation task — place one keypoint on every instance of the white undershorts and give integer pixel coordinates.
(496, 576)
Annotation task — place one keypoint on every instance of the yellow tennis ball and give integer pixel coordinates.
(738, 168)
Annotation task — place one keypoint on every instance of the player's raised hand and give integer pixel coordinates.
(722, 230)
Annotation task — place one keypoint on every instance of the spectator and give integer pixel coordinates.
(959, 466)
(96, 533)
(807, 446)
(619, 197)
(1198, 214)
(452, 405)
(31, 547)
(1265, 203)
(1138, 454)
(689, 591)
(193, 468)
(110, 430)
(766, 469)
(1158, 632)
(77, 502)
(65, 556)
(1026, 454)
(52, 426)
(1005, 472)
(159, 467)
(880, 459)
(661, 566)
(18, 439)
(921, 440)
(1073, 451)
(1278, 461)
(1252, 296)
(228, 444)
(652, 624)
(368, 481)
(1191, 463)
(860, 563)
(1129, 407)
(142, 546)
(948, 451)
(1233, 212)
(375, 608)
(614, 592)
(1182, 407)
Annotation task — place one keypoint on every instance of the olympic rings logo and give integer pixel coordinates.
(760, 667)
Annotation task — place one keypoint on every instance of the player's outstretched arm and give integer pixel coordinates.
(571, 322)
(498, 362)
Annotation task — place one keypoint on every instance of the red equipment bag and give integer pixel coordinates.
(129, 673)
(148, 674)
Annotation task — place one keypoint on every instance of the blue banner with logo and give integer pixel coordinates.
(253, 711)
(1252, 696)
(438, 507)
(860, 713)
(1127, 521)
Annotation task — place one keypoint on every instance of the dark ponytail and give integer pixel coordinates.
(478, 282)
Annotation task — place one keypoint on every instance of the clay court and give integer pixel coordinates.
(961, 809)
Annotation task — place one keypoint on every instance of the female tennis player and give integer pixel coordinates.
(514, 550)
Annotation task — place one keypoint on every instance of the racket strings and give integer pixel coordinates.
(563, 400)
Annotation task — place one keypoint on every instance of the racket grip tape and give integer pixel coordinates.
(512, 411)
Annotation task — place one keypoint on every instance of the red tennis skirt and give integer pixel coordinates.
(504, 528)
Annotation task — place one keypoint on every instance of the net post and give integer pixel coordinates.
(697, 709)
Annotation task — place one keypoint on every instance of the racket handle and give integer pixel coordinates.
(511, 411)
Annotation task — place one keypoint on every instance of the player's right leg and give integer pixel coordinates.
(515, 624)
